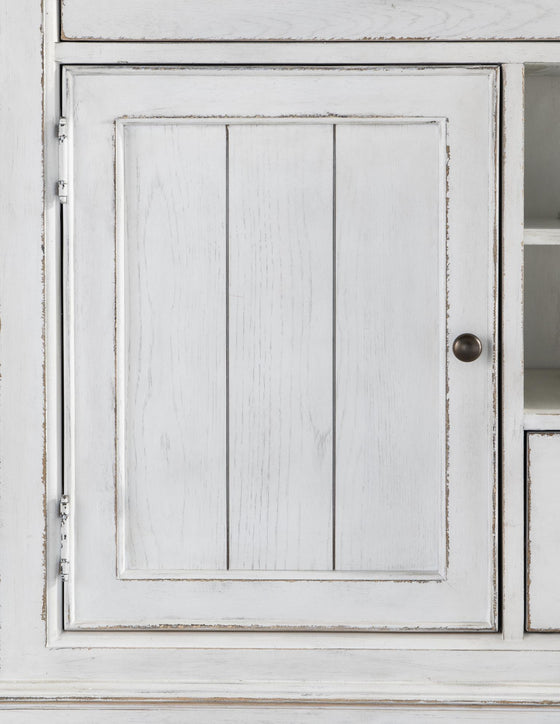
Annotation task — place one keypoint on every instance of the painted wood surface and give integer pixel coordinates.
(280, 346)
(23, 304)
(84, 664)
(543, 232)
(301, 53)
(170, 516)
(543, 535)
(390, 360)
(171, 353)
(308, 102)
(277, 715)
(310, 20)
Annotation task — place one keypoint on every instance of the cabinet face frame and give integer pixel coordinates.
(34, 597)
(40, 671)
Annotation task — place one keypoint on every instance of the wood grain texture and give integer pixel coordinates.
(23, 325)
(341, 52)
(295, 100)
(391, 361)
(309, 20)
(84, 664)
(171, 347)
(262, 714)
(513, 499)
(280, 359)
(543, 535)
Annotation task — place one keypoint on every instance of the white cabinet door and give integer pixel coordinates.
(265, 425)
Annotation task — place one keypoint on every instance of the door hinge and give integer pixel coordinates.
(62, 186)
(64, 542)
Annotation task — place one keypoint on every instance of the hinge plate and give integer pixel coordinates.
(62, 185)
(64, 542)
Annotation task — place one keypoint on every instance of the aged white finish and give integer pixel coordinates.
(210, 714)
(507, 54)
(543, 535)
(280, 300)
(313, 20)
(511, 368)
(50, 674)
(171, 326)
(390, 221)
(341, 469)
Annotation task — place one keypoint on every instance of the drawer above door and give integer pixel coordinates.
(264, 273)
(308, 20)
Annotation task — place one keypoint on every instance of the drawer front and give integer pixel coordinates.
(309, 20)
(543, 531)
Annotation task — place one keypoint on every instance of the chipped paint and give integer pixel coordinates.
(529, 435)
(528, 536)
(381, 22)
(43, 332)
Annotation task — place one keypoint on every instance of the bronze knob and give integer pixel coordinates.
(467, 347)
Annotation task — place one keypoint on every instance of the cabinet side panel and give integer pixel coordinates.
(390, 367)
(280, 371)
(171, 346)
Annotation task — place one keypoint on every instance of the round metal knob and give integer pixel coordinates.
(467, 347)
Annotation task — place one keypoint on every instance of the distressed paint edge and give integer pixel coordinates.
(528, 625)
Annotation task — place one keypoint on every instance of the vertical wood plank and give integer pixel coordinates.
(280, 236)
(172, 372)
(390, 368)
